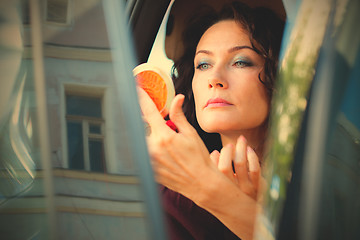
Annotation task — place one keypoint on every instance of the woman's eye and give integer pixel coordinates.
(203, 66)
(242, 63)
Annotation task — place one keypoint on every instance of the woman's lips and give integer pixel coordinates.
(217, 102)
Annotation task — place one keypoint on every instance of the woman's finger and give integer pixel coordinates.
(150, 112)
(254, 167)
(240, 162)
(225, 161)
(214, 156)
(177, 116)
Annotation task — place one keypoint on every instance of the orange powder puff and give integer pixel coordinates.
(158, 86)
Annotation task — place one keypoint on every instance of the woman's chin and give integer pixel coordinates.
(215, 127)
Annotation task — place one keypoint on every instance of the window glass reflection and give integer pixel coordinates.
(75, 145)
(57, 11)
(96, 154)
(83, 106)
(96, 192)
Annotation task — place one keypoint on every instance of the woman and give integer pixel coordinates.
(230, 61)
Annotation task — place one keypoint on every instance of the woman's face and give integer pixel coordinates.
(229, 98)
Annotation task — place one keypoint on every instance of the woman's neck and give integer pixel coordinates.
(254, 137)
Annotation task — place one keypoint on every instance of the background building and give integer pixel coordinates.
(95, 191)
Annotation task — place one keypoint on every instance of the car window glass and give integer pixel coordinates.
(73, 158)
(314, 175)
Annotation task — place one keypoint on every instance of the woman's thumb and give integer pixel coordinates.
(176, 113)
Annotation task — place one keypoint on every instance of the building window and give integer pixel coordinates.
(57, 11)
(85, 127)
(25, 12)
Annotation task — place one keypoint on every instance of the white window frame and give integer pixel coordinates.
(86, 91)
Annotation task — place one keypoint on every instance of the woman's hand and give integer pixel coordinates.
(241, 165)
(182, 163)
(180, 159)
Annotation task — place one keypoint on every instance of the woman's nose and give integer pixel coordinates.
(218, 80)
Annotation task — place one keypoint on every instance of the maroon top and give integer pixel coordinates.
(187, 221)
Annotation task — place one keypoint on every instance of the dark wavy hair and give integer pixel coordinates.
(265, 31)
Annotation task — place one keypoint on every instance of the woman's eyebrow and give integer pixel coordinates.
(237, 48)
(233, 49)
(205, 52)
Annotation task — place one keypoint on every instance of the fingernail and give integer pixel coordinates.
(251, 159)
(242, 138)
(229, 145)
(215, 152)
(147, 129)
